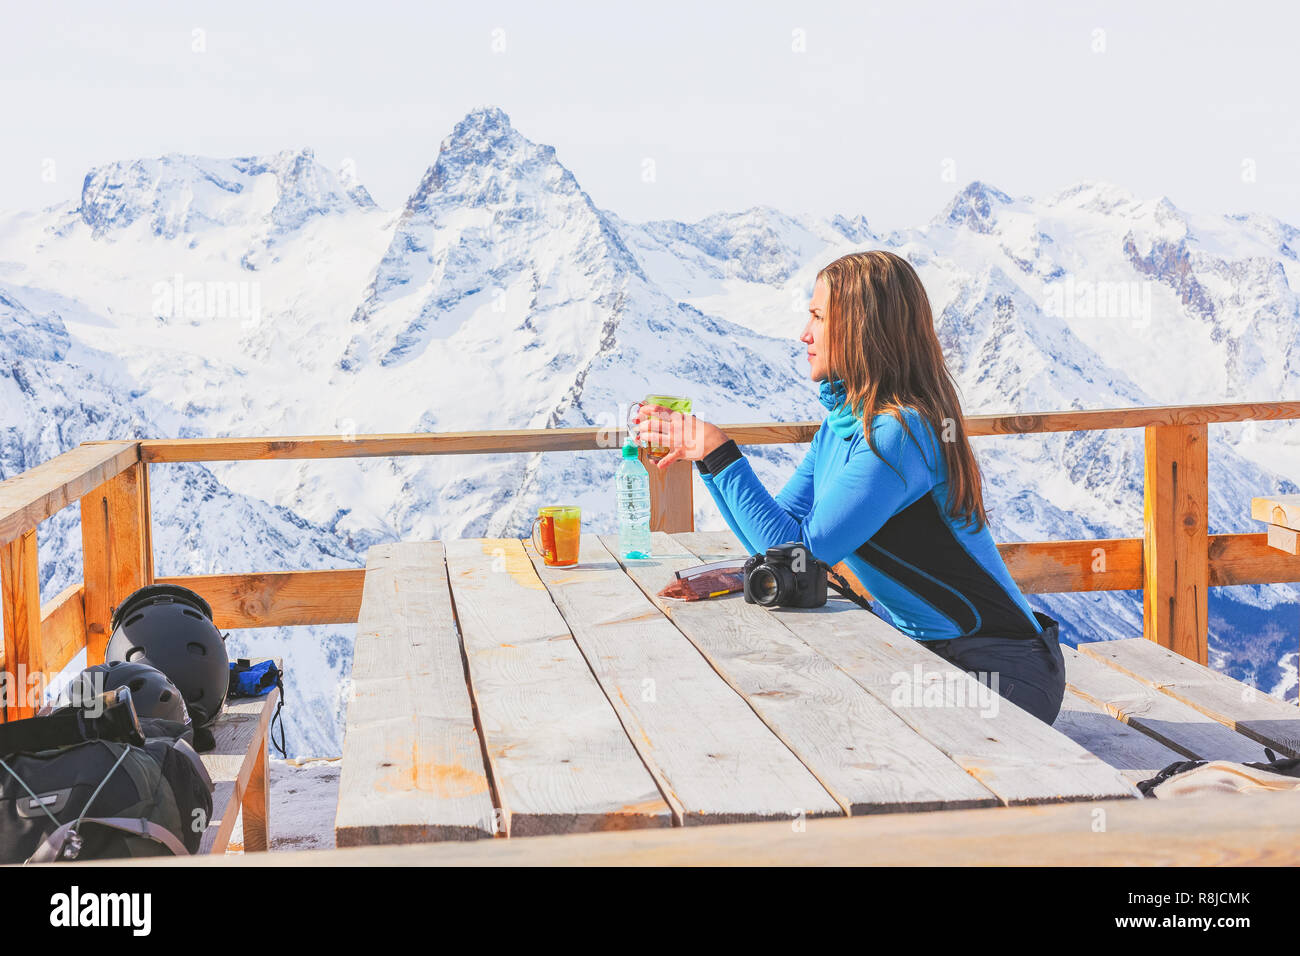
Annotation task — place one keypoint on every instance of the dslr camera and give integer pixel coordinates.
(786, 576)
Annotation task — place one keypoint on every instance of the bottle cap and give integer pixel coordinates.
(629, 449)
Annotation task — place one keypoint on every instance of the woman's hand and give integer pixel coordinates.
(688, 438)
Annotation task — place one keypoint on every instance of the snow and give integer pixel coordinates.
(304, 796)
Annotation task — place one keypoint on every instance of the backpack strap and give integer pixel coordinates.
(65, 842)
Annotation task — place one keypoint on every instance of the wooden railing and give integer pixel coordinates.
(1174, 563)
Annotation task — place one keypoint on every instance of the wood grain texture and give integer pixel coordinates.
(1260, 716)
(1247, 559)
(1231, 830)
(256, 807)
(240, 735)
(1176, 539)
(29, 498)
(499, 441)
(1096, 419)
(714, 760)
(63, 626)
(1135, 755)
(279, 598)
(1015, 755)
(413, 766)
(1283, 510)
(559, 756)
(1160, 717)
(867, 758)
(672, 495)
(116, 551)
(1284, 539)
(1053, 567)
(25, 673)
(751, 433)
(283, 598)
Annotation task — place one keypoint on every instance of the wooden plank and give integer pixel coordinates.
(144, 509)
(29, 498)
(240, 735)
(333, 596)
(1012, 753)
(1284, 539)
(1052, 567)
(1096, 419)
(672, 495)
(116, 551)
(498, 441)
(279, 598)
(1247, 559)
(864, 755)
(1067, 566)
(25, 673)
(256, 806)
(1283, 510)
(63, 627)
(750, 433)
(1215, 830)
(1176, 543)
(1260, 716)
(1160, 717)
(559, 756)
(413, 765)
(1135, 755)
(714, 760)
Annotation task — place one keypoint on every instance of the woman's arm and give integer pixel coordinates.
(723, 507)
(797, 495)
(695, 440)
(862, 496)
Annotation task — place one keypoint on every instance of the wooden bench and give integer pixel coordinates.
(1264, 719)
(237, 766)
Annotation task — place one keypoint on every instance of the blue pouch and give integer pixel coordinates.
(252, 680)
(256, 680)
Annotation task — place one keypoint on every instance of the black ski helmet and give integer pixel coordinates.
(151, 691)
(171, 627)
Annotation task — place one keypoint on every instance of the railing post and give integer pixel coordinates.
(117, 550)
(1176, 556)
(672, 496)
(20, 593)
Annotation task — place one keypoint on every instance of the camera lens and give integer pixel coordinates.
(764, 586)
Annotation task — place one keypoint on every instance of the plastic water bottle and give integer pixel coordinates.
(633, 487)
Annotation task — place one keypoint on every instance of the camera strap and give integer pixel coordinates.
(839, 584)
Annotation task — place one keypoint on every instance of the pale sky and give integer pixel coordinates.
(884, 109)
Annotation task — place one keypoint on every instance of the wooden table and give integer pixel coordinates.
(493, 695)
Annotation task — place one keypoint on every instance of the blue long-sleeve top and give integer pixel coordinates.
(932, 576)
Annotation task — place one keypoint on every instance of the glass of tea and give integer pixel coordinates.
(559, 529)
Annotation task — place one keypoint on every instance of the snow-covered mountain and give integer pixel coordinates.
(270, 296)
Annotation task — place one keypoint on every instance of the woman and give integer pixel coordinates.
(898, 499)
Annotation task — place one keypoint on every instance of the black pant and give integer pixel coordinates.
(1030, 671)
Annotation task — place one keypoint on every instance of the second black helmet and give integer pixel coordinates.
(152, 692)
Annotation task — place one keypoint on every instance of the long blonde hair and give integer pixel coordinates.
(882, 344)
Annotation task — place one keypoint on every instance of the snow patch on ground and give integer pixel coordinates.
(304, 796)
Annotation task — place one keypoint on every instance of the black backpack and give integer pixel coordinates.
(99, 799)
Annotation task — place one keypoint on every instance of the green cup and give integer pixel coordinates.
(674, 403)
